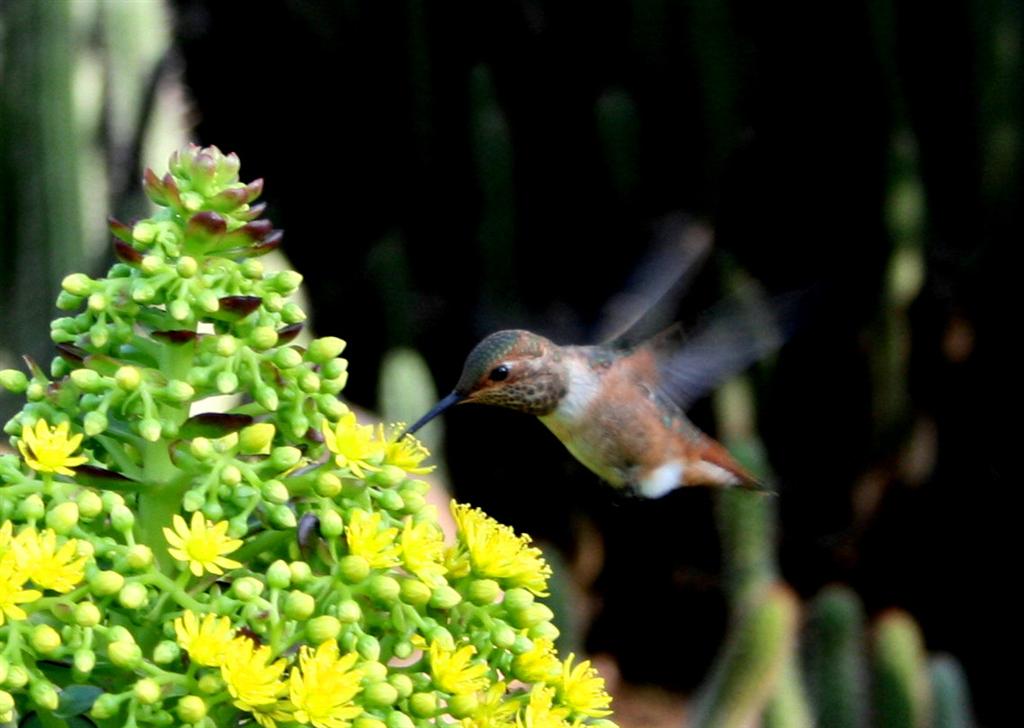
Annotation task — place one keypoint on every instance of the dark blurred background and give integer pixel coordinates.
(443, 170)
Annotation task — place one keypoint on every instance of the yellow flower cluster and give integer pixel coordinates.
(361, 448)
(49, 450)
(493, 550)
(319, 690)
(36, 557)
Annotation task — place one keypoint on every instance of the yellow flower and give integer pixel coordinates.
(11, 594)
(539, 663)
(582, 689)
(453, 673)
(205, 641)
(254, 682)
(323, 686)
(423, 550)
(540, 711)
(404, 452)
(495, 709)
(494, 550)
(202, 544)
(45, 564)
(353, 445)
(49, 451)
(365, 538)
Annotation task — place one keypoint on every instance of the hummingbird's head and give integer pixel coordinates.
(515, 369)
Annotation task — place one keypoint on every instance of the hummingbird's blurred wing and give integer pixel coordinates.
(651, 298)
(738, 332)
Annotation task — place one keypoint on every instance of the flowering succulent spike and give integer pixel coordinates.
(271, 563)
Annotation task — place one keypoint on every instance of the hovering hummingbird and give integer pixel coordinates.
(619, 407)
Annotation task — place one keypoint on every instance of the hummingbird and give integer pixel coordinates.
(619, 407)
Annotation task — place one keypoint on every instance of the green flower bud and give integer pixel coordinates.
(398, 719)
(84, 660)
(63, 517)
(179, 310)
(226, 382)
(283, 517)
(442, 636)
(105, 583)
(390, 500)
(150, 429)
(274, 302)
(6, 702)
(389, 476)
(247, 588)
(193, 500)
(146, 691)
(384, 588)
(125, 654)
(327, 485)
(179, 391)
(44, 639)
(287, 357)
(133, 596)
(208, 301)
(483, 591)
(530, 616)
(191, 709)
(353, 568)
(502, 635)
(301, 572)
(299, 606)
(5, 665)
(98, 302)
(120, 634)
(332, 407)
(285, 281)
(230, 475)
(331, 524)
(77, 284)
(374, 671)
(285, 458)
(365, 721)
(545, 630)
(262, 338)
(380, 694)
(139, 557)
(279, 576)
(128, 378)
(166, 652)
(122, 519)
(274, 491)
(17, 677)
(463, 705)
(415, 592)
(187, 266)
(412, 502)
(256, 439)
(444, 597)
(44, 695)
(211, 684)
(402, 683)
(349, 611)
(143, 292)
(105, 707)
(423, 705)
(35, 392)
(324, 349)
(152, 264)
(87, 380)
(67, 301)
(252, 268)
(292, 313)
(321, 629)
(517, 599)
(213, 510)
(368, 647)
(309, 382)
(13, 381)
(94, 423)
(87, 614)
(32, 508)
(334, 368)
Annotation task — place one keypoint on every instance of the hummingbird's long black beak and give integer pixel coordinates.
(451, 399)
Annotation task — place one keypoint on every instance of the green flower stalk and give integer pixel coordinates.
(275, 563)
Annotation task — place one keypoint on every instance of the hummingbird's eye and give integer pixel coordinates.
(499, 373)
